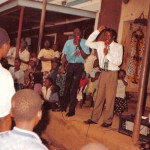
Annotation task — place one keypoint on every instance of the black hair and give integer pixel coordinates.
(112, 31)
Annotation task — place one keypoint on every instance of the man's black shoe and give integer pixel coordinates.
(106, 125)
(89, 121)
(70, 113)
(62, 109)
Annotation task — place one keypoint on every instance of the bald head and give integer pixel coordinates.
(95, 146)
(25, 105)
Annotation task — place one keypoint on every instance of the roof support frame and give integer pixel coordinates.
(57, 8)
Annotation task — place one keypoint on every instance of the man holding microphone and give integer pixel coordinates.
(74, 53)
(110, 58)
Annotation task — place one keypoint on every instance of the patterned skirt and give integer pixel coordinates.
(120, 105)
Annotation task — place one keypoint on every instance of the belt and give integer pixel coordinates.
(105, 70)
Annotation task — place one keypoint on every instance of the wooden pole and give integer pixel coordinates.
(142, 85)
(42, 24)
(19, 30)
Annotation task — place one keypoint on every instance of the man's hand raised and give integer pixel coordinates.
(101, 28)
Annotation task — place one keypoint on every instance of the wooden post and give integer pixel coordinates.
(42, 24)
(142, 85)
(19, 30)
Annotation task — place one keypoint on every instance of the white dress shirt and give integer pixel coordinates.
(7, 90)
(114, 55)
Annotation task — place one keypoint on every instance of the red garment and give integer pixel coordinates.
(84, 82)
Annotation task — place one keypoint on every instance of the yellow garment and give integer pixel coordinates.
(46, 65)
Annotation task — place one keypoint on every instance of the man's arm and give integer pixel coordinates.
(90, 41)
(83, 54)
(45, 59)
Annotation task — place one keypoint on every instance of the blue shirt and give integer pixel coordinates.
(18, 139)
(69, 49)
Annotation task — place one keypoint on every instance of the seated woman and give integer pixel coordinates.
(54, 97)
(46, 89)
(53, 101)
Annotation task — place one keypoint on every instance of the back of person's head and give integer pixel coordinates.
(26, 104)
(94, 146)
(4, 43)
(4, 38)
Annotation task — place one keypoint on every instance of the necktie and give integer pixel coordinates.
(106, 61)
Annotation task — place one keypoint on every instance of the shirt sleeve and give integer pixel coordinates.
(65, 49)
(90, 41)
(116, 59)
(40, 54)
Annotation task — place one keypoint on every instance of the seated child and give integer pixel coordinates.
(53, 101)
(82, 87)
(54, 70)
(37, 79)
(60, 81)
(54, 97)
(46, 89)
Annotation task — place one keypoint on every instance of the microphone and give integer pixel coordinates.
(77, 39)
(106, 43)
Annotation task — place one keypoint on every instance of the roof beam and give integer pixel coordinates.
(77, 2)
(58, 8)
(8, 5)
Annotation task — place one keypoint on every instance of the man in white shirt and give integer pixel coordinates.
(24, 55)
(110, 58)
(11, 55)
(26, 110)
(6, 85)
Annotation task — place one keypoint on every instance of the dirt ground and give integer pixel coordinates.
(55, 129)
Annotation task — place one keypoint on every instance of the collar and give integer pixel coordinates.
(26, 133)
(112, 43)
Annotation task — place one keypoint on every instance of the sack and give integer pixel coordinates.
(141, 20)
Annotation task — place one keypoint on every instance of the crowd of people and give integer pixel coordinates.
(84, 72)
